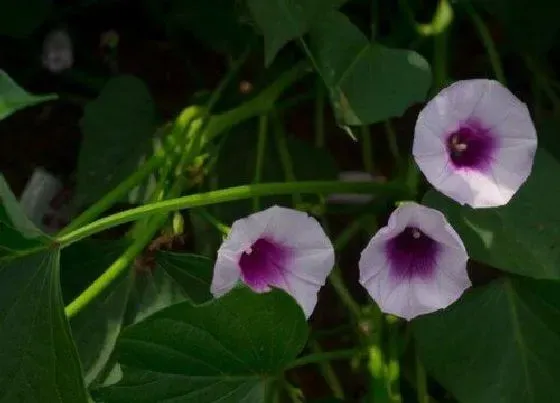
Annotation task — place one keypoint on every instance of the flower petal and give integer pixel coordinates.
(494, 127)
(415, 294)
(288, 246)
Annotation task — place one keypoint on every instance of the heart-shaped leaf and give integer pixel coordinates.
(284, 20)
(499, 343)
(520, 237)
(39, 362)
(368, 82)
(223, 351)
(118, 129)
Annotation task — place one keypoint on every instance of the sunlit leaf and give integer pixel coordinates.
(223, 351)
(499, 343)
(367, 81)
(118, 129)
(14, 98)
(520, 237)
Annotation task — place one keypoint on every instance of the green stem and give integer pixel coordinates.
(542, 81)
(217, 224)
(337, 282)
(114, 195)
(376, 363)
(215, 126)
(348, 233)
(327, 371)
(232, 194)
(325, 356)
(487, 41)
(367, 157)
(320, 115)
(261, 149)
(181, 123)
(440, 61)
(285, 158)
(393, 365)
(392, 141)
(231, 73)
(114, 272)
(421, 382)
(258, 105)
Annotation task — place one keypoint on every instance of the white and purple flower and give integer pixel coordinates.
(416, 264)
(277, 247)
(475, 142)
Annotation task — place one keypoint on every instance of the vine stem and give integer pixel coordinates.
(228, 195)
(487, 41)
(325, 356)
(261, 149)
(284, 154)
(215, 125)
(367, 156)
(421, 382)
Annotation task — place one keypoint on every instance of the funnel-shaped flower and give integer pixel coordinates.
(475, 142)
(416, 264)
(277, 247)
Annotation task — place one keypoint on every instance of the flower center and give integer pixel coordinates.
(471, 146)
(412, 254)
(263, 264)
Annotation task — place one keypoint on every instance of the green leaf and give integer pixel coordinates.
(223, 351)
(193, 273)
(39, 360)
(520, 237)
(95, 328)
(19, 18)
(284, 20)
(499, 343)
(236, 164)
(173, 278)
(14, 98)
(367, 82)
(17, 232)
(118, 129)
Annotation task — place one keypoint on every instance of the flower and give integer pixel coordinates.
(277, 247)
(416, 264)
(475, 142)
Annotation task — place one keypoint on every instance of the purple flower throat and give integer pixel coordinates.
(471, 146)
(264, 264)
(412, 254)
